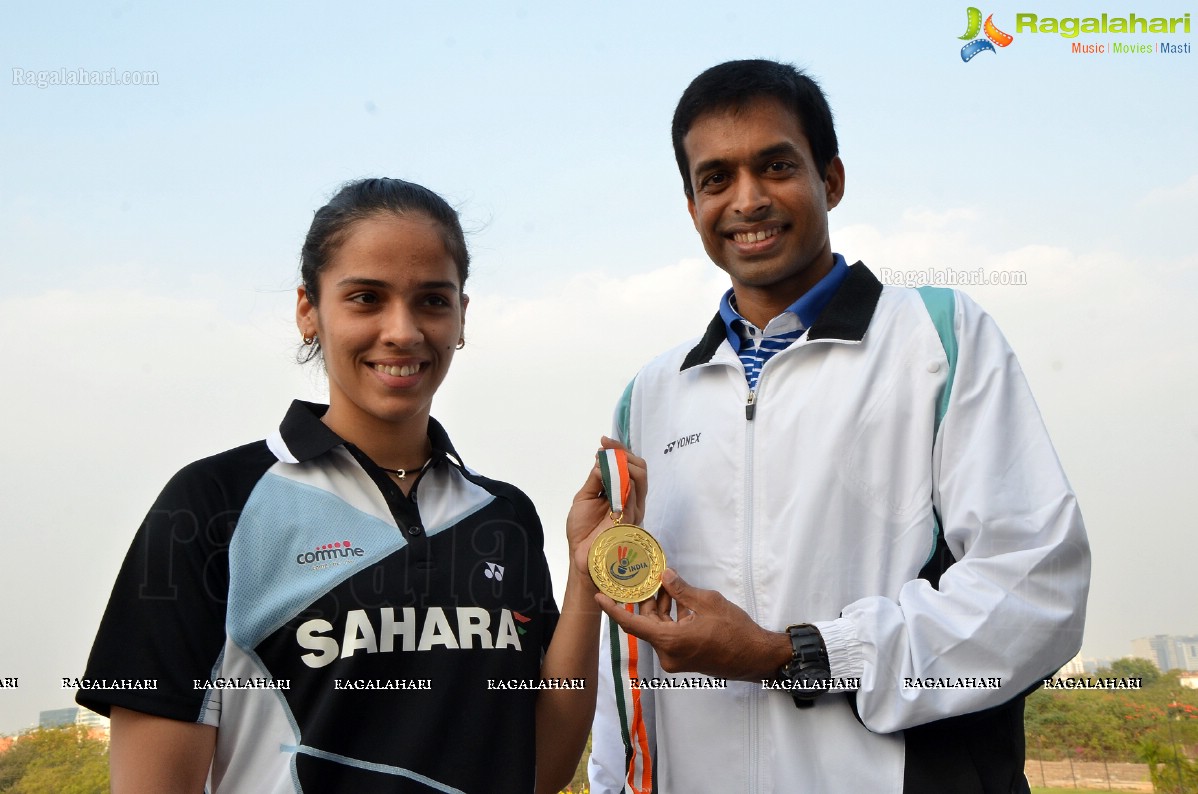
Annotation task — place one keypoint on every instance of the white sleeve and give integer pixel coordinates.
(1013, 604)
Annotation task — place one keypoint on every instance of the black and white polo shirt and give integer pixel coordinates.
(341, 635)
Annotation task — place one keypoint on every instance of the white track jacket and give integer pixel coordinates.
(824, 508)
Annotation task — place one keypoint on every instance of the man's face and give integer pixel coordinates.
(760, 205)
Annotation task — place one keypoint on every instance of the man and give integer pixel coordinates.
(869, 534)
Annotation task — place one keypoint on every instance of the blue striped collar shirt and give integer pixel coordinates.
(754, 345)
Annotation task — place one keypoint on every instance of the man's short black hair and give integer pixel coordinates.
(733, 85)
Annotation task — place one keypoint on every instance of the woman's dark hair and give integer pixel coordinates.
(733, 85)
(367, 198)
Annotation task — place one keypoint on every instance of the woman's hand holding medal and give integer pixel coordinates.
(623, 560)
(605, 512)
(708, 633)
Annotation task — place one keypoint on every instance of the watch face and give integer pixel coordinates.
(814, 675)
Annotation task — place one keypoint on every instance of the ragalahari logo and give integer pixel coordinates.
(993, 36)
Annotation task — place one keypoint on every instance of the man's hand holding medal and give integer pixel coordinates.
(707, 633)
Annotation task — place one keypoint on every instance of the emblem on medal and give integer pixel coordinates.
(626, 562)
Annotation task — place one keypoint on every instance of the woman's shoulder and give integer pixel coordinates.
(251, 459)
(502, 489)
(225, 479)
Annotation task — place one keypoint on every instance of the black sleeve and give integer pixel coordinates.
(540, 582)
(543, 581)
(550, 609)
(165, 622)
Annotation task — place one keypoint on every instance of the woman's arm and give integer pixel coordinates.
(156, 755)
(564, 715)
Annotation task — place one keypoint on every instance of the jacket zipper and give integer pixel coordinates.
(747, 580)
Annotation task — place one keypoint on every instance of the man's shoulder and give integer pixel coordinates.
(918, 302)
(673, 357)
(670, 362)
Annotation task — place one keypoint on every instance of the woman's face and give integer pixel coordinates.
(390, 315)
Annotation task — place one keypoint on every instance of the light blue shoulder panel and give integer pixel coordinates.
(623, 413)
(941, 304)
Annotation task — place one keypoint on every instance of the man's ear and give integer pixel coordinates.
(834, 182)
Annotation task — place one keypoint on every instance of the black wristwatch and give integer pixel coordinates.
(808, 671)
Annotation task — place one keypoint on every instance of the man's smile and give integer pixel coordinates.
(756, 236)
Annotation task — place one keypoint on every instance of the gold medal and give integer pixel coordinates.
(626, 563)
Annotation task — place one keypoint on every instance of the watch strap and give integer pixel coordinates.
(808, 655)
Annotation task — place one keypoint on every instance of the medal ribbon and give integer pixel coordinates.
(613, 466)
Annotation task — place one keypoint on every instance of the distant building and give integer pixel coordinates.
(57, 718)
(1189, 680)
(1074, 667)
(1168, 652)
(85, 718)
(1079, 666)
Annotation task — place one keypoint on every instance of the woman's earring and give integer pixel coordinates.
(461, 343)
(309, 339)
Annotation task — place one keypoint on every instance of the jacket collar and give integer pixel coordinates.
(846, 317)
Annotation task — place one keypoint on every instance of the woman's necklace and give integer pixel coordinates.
(402, 474)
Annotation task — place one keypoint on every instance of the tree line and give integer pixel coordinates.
(1155, 725)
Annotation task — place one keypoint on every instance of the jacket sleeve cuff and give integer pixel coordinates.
(844, 649)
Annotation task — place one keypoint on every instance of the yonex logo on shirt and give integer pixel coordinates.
(494, 571)
(685, 441)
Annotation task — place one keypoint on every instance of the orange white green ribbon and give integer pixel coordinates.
(613, 467)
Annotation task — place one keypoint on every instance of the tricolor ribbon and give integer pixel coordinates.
(613, 467)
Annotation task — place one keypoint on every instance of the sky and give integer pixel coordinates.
(151, 234)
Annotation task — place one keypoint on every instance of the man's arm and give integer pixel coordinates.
(1013, 604)
(156, 755)
(710, 635)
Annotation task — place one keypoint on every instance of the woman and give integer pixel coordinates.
(344, 606)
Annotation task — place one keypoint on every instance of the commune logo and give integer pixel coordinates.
(992, 35)
(329, 553)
